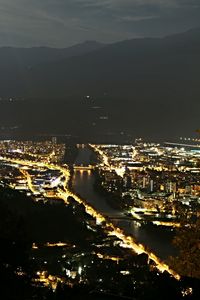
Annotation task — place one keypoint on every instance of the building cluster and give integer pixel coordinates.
(35, 181)
(154, 177)
(48, 150)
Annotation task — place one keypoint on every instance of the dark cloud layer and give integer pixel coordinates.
(65, 22)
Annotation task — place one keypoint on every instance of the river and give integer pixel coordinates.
(158, 239)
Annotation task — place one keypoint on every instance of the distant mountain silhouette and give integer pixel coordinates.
(152, 80)
(16, 64)
(125, 67)
(28, 57)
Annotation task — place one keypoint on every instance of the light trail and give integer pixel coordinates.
(60, 244)
(107, 257)
(127, 241)
(120, 171)
(29, 181)
(102, 154)
(170, 224)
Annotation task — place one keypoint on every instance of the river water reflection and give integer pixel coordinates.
(158, 239)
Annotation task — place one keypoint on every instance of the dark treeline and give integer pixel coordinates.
(47, 222)
(17, 215)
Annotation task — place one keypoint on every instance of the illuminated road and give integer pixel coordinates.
(29, 181)
(64, 193)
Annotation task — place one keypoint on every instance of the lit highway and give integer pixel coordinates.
(63, 193)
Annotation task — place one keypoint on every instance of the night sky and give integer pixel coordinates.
(61, 23)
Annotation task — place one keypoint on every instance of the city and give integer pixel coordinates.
(146, 186)
(99, 150)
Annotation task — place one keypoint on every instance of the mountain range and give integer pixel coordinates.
(153, 80)
(124, 68)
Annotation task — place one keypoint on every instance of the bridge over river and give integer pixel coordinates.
(155, 237)
(83, 167)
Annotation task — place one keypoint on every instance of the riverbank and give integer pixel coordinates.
(156, 238)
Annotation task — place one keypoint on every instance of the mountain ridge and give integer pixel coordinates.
(94, 68)
(148, 86)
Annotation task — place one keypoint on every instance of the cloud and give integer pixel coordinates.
(64, 22)
(129, 18)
